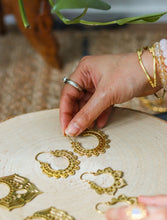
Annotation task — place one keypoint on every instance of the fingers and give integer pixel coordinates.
(83, 101)
(160, 200)
(71, 98)
(117, 214)
(103, 118)
(89, 113)
(152, 213)
(68, 105)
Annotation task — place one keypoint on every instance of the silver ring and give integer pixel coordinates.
(72, 83)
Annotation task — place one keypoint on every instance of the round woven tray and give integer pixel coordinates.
(138, 147)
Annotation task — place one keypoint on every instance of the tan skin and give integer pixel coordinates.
(108, 80)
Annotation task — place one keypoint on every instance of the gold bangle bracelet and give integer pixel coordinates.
(152, 105)
(139, 53)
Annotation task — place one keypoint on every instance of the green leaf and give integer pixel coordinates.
(136, 20)
(141, 19)
(73, 4)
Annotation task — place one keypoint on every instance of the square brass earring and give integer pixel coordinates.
(21, 192)
(99, 149)
(69, 170)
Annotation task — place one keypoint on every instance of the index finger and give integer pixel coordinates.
(68, 104)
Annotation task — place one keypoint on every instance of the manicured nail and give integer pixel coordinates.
(72, 130)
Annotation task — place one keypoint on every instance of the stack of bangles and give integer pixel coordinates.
(159, 52)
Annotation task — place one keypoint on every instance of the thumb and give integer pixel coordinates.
(136, 212)
(88, 113)
(158, 200)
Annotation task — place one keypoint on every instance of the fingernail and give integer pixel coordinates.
(72, 130)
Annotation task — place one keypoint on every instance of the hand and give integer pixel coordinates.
(156, 207)
(107, 80)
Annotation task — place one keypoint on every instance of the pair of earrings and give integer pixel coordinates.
(103, 144)
(119, 182)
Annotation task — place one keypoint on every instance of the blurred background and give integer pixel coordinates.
(34, 61)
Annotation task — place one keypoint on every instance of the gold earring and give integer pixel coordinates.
(118, 181)
(51, 213)
(70, 170)
(121, 198)
(21, 191)
(100, 149)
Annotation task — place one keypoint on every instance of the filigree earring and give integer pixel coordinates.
(70, 170)
(21, 191)
(121, 198)
(51, 213)
(118, 181)
(99, 149)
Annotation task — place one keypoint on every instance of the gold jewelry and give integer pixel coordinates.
(21, 192)
(136, 212)
(139, 53)
(114, 200)
(162, 96)
(100, 149)
(51, 214)
(118, 181)
(153, 105)
(70, 170)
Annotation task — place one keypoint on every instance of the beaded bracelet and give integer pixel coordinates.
(163, 46)
(160, 49)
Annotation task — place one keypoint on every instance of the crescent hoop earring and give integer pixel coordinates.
(99, 149)
(70, 170)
